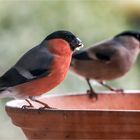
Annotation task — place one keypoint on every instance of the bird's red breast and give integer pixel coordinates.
(62, 57)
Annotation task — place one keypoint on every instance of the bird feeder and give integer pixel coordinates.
(112, 116)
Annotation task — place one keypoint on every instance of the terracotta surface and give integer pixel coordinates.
(112, 116)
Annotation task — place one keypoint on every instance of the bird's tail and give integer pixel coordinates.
(2, 89)
(4, 93)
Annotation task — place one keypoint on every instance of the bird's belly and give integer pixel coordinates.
(100, 75)
(99, 71)
(45, 84)
(40, 86)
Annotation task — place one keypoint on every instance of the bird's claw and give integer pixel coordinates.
(24, 107)
(92, 94)
(118, 90)
(45, 107)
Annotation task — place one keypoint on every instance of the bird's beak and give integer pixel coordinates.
(77, 44)
(80, 45)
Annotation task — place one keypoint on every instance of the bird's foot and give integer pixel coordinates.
(119, 90)
(24, 107)
(27, 106)
(92, 94)
(111, 88)
(45, 107)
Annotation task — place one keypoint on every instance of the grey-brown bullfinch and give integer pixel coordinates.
(107, 60)
(41, 69)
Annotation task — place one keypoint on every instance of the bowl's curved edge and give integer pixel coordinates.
(16, 105)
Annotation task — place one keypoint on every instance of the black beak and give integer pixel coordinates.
(76, 44)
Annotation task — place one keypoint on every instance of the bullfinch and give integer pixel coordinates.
(40, 69)
(107, 60)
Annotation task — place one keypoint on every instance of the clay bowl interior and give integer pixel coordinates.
(112, 116)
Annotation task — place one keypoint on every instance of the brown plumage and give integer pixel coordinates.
(107, 60)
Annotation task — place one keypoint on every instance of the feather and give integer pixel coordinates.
(81, 55)
(26, 70)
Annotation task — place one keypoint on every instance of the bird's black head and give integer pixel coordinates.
(73, 41)
(134, 34)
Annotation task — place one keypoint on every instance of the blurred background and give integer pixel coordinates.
(25, 23)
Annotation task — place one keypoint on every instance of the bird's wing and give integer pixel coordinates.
(104, 51)
(105, 55)
(98, 54)
(35, 64)
(81, 55)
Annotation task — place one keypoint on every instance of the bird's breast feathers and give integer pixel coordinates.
(37, 87)
(59, 47)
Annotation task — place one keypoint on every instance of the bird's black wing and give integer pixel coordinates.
(34, 64)
(81, 55)
(105, 55)
(95, 53)
(105, 50)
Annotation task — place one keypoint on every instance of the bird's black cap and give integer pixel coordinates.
(134, 34)
(67, 36)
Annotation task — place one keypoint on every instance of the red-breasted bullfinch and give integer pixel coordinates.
(107, 60)
(41, 69)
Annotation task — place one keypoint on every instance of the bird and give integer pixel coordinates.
(40, 69)
(107, 60)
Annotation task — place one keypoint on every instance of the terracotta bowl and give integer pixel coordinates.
(112, 116)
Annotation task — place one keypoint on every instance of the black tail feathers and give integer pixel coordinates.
(2, 89)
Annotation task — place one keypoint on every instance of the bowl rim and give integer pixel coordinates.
(12, 106)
